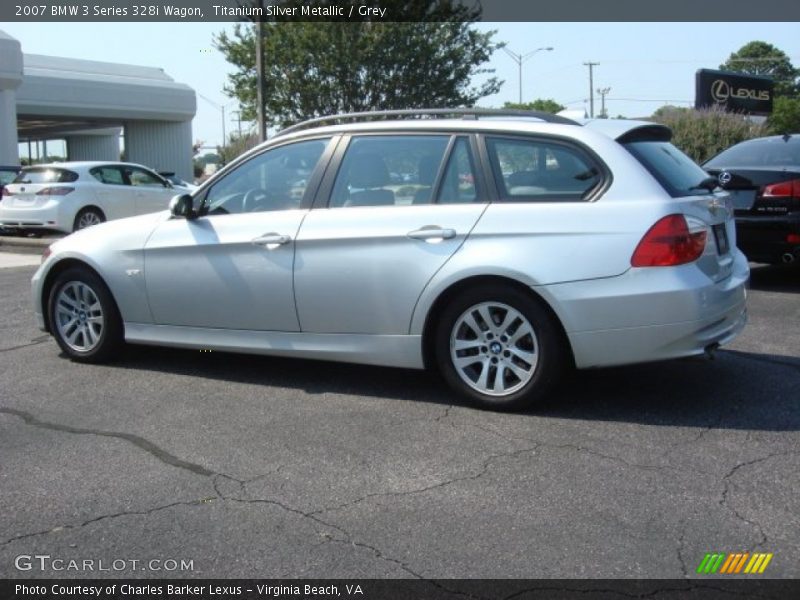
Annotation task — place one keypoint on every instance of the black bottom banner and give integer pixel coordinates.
(394, 589)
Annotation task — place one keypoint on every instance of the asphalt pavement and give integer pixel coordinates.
(222, 465)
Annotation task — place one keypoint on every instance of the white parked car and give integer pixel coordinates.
(73, 195)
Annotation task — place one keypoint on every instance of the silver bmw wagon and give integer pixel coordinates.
(498, 247)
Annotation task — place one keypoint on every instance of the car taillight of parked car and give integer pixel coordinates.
(55, 191)
(784, 189)
(670, 242)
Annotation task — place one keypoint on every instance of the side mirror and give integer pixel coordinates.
(181, 206)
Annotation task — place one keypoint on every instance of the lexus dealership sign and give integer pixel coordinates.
(734, 92)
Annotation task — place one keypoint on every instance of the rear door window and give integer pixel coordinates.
(389, 170)
(541, 170)
(678, 174)
(108, 175)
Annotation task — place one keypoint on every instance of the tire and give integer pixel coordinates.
(518, 358)
(87, 217)
(84, 318)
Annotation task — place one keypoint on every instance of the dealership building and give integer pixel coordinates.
(89, 104)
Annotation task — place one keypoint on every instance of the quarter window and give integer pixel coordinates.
(541, 170)
(458, 182)
(139, 177)
(273, 180)
(389, 170)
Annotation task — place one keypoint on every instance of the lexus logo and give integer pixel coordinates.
(724, 178)
(720, 91)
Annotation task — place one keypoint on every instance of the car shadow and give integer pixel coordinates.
(775, 278)
(735, 390)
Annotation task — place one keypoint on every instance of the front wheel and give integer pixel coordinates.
(500, 347)
(83, 317)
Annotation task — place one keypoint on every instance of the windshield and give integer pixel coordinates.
(763, 152)
(678, 174)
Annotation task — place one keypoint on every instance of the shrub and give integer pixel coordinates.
(703, 133)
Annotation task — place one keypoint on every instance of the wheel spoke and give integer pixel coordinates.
(483, 311)
(469, 321)
(528, 357)
(499, 384)
(467, 361)
(460, 345)
(522, 374)
(71, 337)
(93, 336)
(484, 376)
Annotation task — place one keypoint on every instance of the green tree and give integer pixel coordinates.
(785, 117)
(323, 68)
(541, 104)
(761, 58)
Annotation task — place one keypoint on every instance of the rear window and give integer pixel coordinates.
(678, 174)
(46, 175)
(769, 152)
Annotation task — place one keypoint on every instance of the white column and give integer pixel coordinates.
(10, 78)
(160, 145)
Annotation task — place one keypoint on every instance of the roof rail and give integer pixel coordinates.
(466, 113)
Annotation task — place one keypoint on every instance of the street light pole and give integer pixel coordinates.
(520, 59)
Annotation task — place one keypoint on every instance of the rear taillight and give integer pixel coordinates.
(670, 242)
(784, 189)
(5, 193)
(61, 190)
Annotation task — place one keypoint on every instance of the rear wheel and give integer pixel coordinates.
(88, 217)
(499, 347)
(83, 317)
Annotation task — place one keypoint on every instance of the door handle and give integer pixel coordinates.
(272, 239)
(432, 232)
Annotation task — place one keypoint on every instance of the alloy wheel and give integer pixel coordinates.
(79, 316)
(494, 348)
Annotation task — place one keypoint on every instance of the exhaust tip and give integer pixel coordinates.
(787, 258)
(710, 350)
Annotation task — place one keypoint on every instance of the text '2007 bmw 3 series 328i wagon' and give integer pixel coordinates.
(499, 249)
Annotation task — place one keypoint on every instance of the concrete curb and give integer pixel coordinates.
(28, 245)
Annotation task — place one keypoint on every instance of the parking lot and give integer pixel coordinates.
(240, 466)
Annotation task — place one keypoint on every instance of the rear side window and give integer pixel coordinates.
(108, 175)
(537, 170)
(46, 175)
(678, 174)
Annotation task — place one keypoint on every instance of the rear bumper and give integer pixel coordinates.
(46, 217)
(650, 314)
(764, 239)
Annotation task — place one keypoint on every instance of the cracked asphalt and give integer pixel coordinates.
(275, 468)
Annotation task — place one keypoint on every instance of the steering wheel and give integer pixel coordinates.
(252, 200)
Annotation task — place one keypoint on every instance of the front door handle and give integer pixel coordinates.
(431, 233)
(272, 239)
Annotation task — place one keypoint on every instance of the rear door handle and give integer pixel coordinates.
(272, 239)
(432, 232)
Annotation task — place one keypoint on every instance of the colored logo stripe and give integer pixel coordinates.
(734, 563)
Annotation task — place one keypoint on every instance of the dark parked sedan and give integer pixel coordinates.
(763, 177)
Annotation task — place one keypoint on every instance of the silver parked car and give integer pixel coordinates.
(510, 249)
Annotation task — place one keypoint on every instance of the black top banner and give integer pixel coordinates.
(733, 92)
(397, 10)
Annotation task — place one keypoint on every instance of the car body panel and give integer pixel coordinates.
(223, 279)
(358, 271)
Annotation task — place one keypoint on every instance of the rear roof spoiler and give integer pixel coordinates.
(646, 133)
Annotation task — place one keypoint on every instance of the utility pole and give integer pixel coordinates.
(521, 58)
(603, 92)
(239, 120)
(591, 66)
(260, 92)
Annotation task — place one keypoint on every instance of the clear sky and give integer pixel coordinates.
(645, 64)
